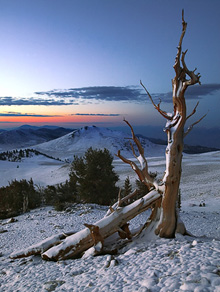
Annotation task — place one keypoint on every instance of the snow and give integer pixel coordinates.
(147, 264)
(77, 142)
(43, 170)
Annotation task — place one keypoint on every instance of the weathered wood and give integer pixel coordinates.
(174, 129)
(40, 247)
(74, 245)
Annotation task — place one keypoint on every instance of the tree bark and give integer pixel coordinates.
(175, 140)
(74, 245)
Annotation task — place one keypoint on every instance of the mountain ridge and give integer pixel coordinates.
(78, 141)
(31, 136)
(26, 136)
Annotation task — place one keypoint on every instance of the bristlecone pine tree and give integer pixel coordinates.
(164, 220)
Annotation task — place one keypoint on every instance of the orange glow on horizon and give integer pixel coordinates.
(58, 119)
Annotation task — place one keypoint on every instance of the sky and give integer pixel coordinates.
(79, 62)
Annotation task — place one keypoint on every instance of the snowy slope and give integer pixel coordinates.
(77, 142)
(164, 265)
(183, 264)
(43, 170)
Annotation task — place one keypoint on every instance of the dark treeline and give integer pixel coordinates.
(17, 155)
(91, 180)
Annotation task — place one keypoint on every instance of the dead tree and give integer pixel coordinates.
(169, 221)
(164, 220)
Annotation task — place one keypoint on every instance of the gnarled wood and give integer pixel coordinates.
(74, 245)
(175, 136)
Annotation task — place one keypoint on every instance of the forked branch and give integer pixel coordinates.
(143, 173)
(177, 66)
(180, 80)
(157, 107)
(147, 180)
(194, 78)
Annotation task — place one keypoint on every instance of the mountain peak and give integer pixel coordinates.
(78, 141)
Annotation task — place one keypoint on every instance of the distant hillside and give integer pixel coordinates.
(26, 136)
(77, 142)
(207, 137)
(204, 137)
(187, 148)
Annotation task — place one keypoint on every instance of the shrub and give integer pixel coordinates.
(59, 195)
(18, 197)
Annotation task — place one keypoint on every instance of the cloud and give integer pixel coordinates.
(127, 93)
(17, 114)
(100, 115)
(104, 93)
(192, 92)
(204, 89)
(76, 96)
(33, 101)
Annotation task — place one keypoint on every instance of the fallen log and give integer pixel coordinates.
(73, 246)
(39, 248)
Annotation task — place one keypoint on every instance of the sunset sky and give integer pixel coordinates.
(79, 62)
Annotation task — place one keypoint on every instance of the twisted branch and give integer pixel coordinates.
(195, 78)
(177, 66)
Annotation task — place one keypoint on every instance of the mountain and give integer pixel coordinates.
(203, 136)
(26, 136)
(78, 141)
(189, 149)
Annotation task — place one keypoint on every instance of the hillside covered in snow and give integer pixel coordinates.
(78, 141)
(26, 136)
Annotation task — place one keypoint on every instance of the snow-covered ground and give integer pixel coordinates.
(180, 264)
(44, 171)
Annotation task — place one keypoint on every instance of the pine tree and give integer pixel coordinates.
(95, 176)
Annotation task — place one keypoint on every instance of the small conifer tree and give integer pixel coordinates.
(95, 176)
(127, 189)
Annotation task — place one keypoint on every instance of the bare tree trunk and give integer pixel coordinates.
(175, 137)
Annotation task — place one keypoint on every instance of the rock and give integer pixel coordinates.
(52, 285)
